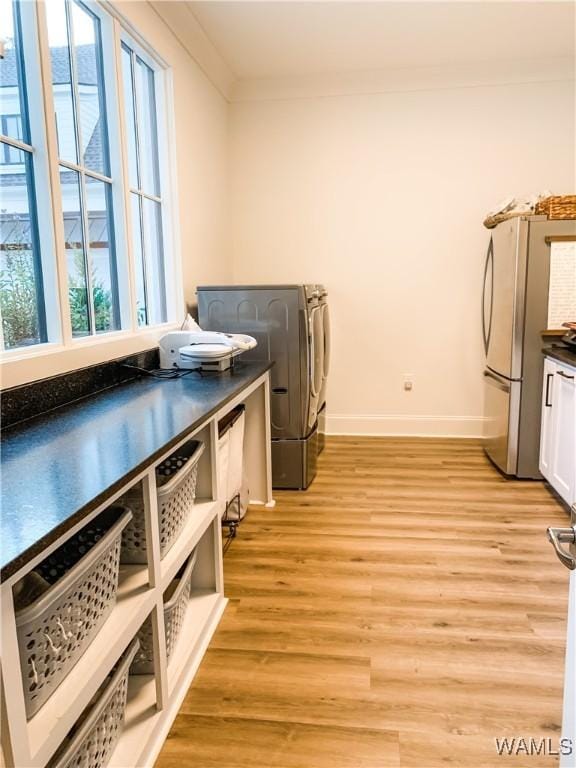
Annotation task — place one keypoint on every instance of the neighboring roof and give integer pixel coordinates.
(17, 231)
(87, 75)
(94, 153)
(85, 65)
(93, 158)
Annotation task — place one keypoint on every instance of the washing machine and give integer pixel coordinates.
(288, 323)
(325, 316)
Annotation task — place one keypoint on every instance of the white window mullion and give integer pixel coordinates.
(75, 167)
(81, 178)
(16, 143)
(145, 267)
(166, 128)
(143, 245)
(87, 255)
(154, 198)
(51, 219)
(120, 190)
(74, 84)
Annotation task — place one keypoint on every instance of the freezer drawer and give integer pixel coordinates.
(501, 415)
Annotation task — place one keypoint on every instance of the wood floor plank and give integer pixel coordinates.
(405, 611)
(198, 740)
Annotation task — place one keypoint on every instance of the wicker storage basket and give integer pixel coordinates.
(174, 613)
(92, 743)
(55, 630)
(558, 207)
(176, 495)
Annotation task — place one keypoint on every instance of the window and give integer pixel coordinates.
(85, 181)
(21, 284)
(144, 178)
(104, 175)
(11, 125)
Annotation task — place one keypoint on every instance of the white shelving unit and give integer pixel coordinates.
(153, 700)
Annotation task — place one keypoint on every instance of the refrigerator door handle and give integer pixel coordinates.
(486, 331)
(501, 385)
(500, 377)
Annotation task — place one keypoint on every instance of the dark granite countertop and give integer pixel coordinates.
(561, 353)
(58, 467)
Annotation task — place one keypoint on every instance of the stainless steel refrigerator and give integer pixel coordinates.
(514, 313)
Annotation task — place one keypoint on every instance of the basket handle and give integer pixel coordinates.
(54, 648)
(98, 708)
(185, 578)
(182, 473)
(31, 612)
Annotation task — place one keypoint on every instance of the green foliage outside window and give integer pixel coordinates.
(18, 299)
(78, 300)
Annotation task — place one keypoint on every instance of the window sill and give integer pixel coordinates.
(32, 364)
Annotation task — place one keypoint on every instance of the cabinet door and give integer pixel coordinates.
(546, 430)
(563, 477)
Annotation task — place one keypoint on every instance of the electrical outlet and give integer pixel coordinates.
(408, 382)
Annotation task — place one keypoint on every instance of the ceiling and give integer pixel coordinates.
(288, 38)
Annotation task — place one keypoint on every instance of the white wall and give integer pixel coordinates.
(201, 126)
(381, 196)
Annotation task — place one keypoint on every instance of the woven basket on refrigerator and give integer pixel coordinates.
(174, 613)
(558, 207)
(92, 744)
(55, 630)
(175, 494)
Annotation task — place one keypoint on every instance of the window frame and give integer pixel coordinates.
(23, 145)
(62, 351)
(166, 133)
(41, 192)
(127, 44)
(84, 173)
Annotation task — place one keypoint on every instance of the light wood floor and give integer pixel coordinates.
(405, 611)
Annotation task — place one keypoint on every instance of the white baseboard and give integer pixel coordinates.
(405, 426)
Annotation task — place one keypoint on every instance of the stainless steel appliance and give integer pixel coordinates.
(569, 338)
(290, 324)
(323, 300)
(514, 313)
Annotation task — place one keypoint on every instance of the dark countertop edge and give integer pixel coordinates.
(19, 562)
(563, 354)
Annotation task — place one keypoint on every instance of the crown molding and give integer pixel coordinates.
(404, 80)
(186, 28)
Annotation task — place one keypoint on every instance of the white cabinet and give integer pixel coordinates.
(564, 447)
(558, 431)
(546, 430)
(152, 700)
